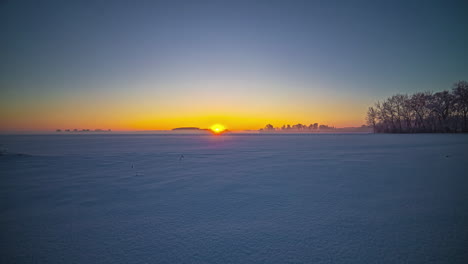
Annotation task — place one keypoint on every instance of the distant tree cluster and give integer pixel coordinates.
(296, 128)
(441, 112)
(83, 130)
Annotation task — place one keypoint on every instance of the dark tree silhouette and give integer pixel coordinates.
(441, 112)
(296, 128)
(460, 92)
(371, 117)
(269, 127)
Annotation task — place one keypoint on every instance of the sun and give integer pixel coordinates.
(217, 128)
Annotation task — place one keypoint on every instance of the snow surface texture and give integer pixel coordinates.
(234, 199)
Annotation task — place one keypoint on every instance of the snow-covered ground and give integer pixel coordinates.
(342, 198)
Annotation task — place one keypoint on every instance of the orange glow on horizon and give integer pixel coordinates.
(124, 116)
(148, 123)
(237, 107)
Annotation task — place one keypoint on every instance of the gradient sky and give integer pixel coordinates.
(134, 65)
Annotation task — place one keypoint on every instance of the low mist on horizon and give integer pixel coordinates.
(159, 65)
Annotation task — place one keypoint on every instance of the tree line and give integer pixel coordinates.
(423, 112)
(296, 127)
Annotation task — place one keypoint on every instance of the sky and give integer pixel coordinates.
(150, 65)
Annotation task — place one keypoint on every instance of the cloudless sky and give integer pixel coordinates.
(134, 65)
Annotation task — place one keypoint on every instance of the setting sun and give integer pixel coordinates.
(217, 128)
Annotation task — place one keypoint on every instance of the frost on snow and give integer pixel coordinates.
(344, 198)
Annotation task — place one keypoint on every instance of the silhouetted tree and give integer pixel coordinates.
(422, 112)
(371, 117)
(298, 127)
(460, 92)
(325, 127)
(313, 126)
(269, 127)
(295, 128)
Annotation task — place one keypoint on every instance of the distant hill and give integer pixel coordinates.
(191, 130)
(186, 129)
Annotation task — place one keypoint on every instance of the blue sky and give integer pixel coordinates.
(272, 59)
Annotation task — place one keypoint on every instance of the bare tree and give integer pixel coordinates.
(371, 117)
(460, 92)
(441, 105)
(422, 112)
